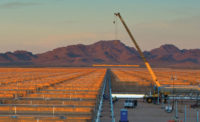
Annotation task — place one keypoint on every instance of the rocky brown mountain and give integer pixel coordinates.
(104, 52)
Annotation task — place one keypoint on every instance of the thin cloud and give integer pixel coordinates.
(17, 4)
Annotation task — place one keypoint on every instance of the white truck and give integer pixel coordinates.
(130, 103)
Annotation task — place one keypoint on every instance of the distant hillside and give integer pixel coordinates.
(104, 52)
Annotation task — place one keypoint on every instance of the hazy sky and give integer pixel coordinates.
(41, 25)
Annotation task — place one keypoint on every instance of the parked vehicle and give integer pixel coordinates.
(196, 105)
(129, 103)
(169, 108)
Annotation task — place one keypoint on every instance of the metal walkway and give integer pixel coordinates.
(106, 112)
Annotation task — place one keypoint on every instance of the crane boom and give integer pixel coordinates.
(140, 51)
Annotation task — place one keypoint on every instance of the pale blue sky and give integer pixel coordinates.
(41, 25)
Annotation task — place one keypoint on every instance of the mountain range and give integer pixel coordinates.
(104, 52)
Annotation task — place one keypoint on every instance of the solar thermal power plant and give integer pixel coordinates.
(49, 94)
(100, 93)
(77, 94)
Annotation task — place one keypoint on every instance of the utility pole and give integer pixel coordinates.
(185, 115)
(176, 112)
